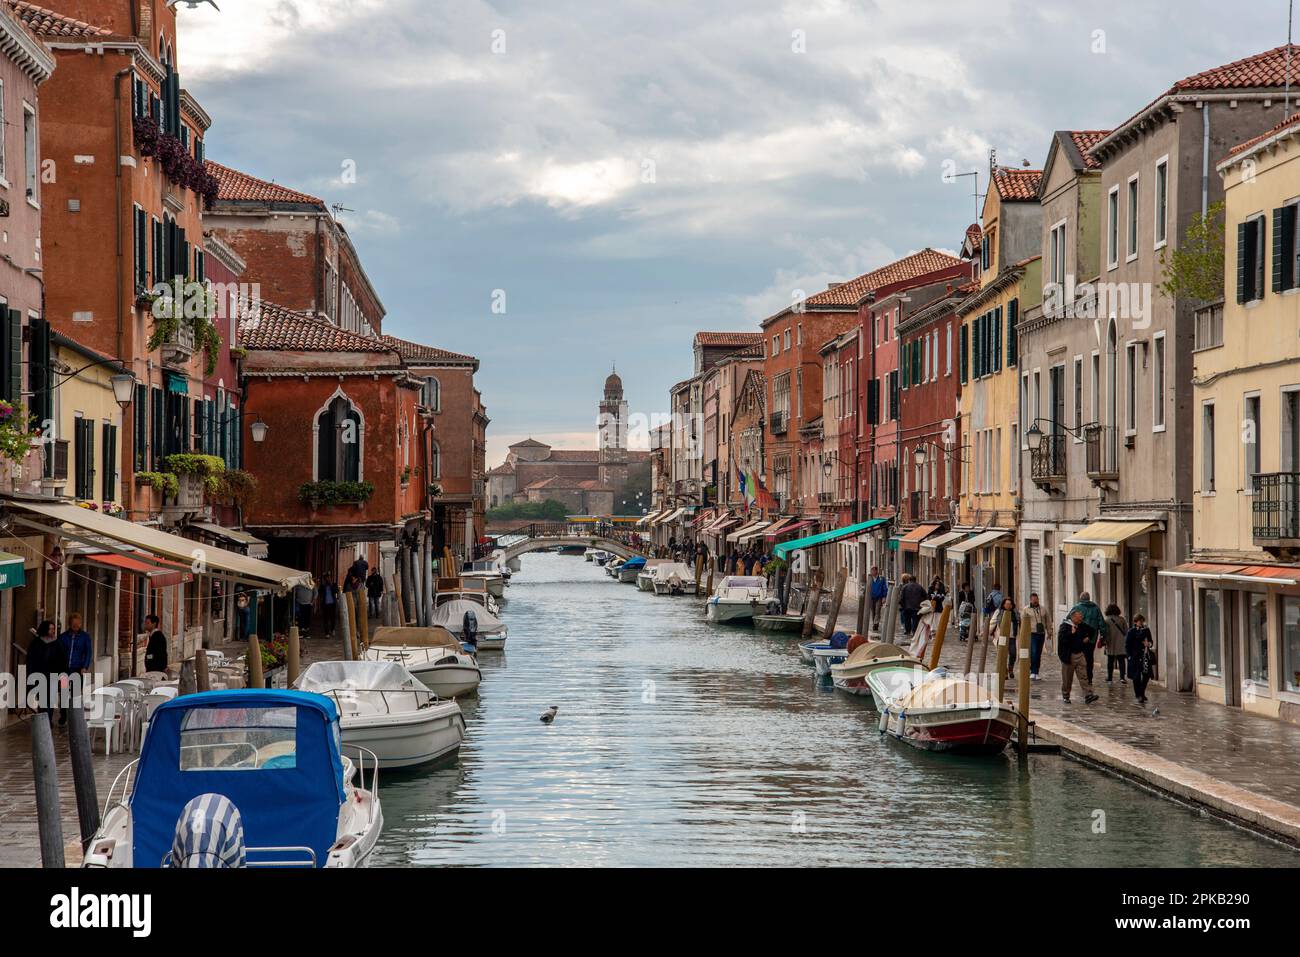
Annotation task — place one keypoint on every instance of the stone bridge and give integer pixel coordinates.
(536, 543)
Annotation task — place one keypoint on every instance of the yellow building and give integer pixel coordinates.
(1010, 283)
(1245, 570)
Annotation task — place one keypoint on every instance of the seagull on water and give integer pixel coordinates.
(550, 714)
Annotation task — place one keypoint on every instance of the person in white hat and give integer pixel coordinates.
(924, 629)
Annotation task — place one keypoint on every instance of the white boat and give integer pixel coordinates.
(264, 767)
(495, 582)
(947, 712)
(491, 629)
(851, 674)
(384, 707)
(674, 578)
(737, 598)
(434, 655)
(452, 589)
(612, 566)
(590, 554)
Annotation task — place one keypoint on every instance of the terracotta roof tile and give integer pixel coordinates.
(282, 329)
(416, 352)
(1289, 121)
(49, 25)
(735, 339)
(1084, 140)
(234, 186)
(909, 267)
(1017, 184)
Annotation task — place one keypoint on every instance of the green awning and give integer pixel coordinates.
(176, 382)
(822, 538)
(11, 571)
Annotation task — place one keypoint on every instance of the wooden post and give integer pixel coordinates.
(1004, 635)
(294, 658)
(201, 682)
(345, 627)
(811, 601)
(83, 772)
(713, 562)
(699, 572)
(49, 823)
(363, 617)
(351, 598)
(939, 634)
(837, 599)
(255, 677)
(890, 624)
(864, 599)
(188, 682)
(1022, 688)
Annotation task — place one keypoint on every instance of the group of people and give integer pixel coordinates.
(327, 595)
(1128, 646)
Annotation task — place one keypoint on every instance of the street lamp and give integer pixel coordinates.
(1034, 436)
(258, 428)
(123, 388)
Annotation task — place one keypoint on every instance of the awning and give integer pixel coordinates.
(932, 545)
(159, 576)
(253, 546)
(794, 525)
(718, 527)
(705, 518)
(11, 571)
(671, 516)
(911, 542)
(825, 538)
(51, 517)
(1245, 574)
(960, 550)
(176, 382)
(1103, 539)
(751, 532)
(775, 528)
(648, 519)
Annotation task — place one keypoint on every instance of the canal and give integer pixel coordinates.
(683, 743)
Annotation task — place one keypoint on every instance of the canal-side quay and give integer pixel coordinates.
(1229, 762)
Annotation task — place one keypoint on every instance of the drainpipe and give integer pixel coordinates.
(1205, 156)
(128, 485)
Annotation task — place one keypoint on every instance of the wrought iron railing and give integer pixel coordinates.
(780, 421)
(1047, 462)
(1275, 507)
(1101, 443)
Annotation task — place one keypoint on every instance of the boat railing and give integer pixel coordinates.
(361, 765)
(423, 697)
(307, 860)
(120, 788)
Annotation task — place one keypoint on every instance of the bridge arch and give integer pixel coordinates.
(539, 542)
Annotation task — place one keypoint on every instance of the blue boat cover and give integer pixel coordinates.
(208, 743)
(637, 562)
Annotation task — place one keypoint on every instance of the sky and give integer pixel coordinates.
(562, 187)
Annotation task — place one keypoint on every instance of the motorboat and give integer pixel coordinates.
(275, 755)
(612, 566)
(822, 655)
(434, 655)
(778, 622)
(475, 590)
(630, 569)
(893, 681)
(645, 579)
(490, 573)
(571, 549)
(851, 674)
(590, 554)
(737, 598)
(491, 631)
(947, 712)
(674, 578)
(602, 557)
(384, 707)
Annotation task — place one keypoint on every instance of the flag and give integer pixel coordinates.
(764, 498)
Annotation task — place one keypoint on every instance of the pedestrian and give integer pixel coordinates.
(1036, 616)
(302, 599)
(964, 594)
(938, 593)
(155, 649)
(1070, 641)
(47, 662)
(1141, 652)
(879, 592)
(965, 612)
(993, 600)
(925, 624)
(79, 650)
(1096, 622)
(375, 592)
(1113, 640)
(329, 602)
(909, 603)
(1007, 609)
(244, 610)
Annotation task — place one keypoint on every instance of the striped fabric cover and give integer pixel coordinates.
(209, 833)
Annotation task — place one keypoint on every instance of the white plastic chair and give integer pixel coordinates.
(109, 717)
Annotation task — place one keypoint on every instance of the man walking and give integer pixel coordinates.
(1070, 641)
(79, 650)
(909, 603)
(375, 592)
(879, 592)
(1093, 618)
(155, 651)
(1036, 616)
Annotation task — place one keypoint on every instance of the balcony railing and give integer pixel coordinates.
(56, 460)
(178, 348)
(1047, 462)
(825, 498)
(1101, 443)
(780, 421)
(1209, 326)
(1275, 509)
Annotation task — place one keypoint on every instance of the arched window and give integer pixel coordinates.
(435, 460)
(339, 432)
(431, 394)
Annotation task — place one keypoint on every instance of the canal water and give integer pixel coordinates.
(684, 743)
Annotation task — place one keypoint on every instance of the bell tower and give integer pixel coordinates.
(612, 433)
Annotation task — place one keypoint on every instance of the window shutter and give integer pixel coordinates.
(156, 444)
(873, 402)
(893, 395)
(140, 421)
(1013, 318)
(997, 339)
(13, 357)
(1278, 255)
(1241, 262)
(110, 462)
(38, 372)
(200, 408)
(1287, 232)
(964, 358)
(1261, 258)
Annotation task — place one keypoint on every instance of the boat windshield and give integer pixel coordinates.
(239, 739)
(744, 581)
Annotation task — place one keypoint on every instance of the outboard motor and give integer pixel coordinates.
(469, 628)
(209, 834)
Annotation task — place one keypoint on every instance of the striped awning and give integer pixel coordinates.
(958, 552)
(752, 532)
(1103, 539)
(932, 544)
(911, 542)
(1279, 575)
(742, 533)
(795, 525)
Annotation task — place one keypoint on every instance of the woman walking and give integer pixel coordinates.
(1139, 647)
(1008, 607)
(1113, 639)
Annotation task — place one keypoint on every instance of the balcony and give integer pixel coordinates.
(1047, 462)
(825, 499)
(178, 348)
(780, 422)
(1101, 443)
(1208, 321)
(1275, 511)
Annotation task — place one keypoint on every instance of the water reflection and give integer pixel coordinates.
(681, 743)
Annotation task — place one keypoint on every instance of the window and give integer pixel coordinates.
(1212, 633)
(110, 462)
(339, 433)
(1286, 269)
(1132, 217)
(963, 361)
(141, 243)
(431, 394)
(948, 335)
(786, 342)
(1078, 396)
(1291, 643)
(1290, 451)
(435, 460)
(1207, 447)
(1013, 320)
(1257, 637)
(1056, 260)
(1250, 259)
(1162, 201)
(29, 152)
(1130, 393)
(83, 442)
(1250, 441)
(776, 345)
(1096, 387)
(1158, 382)
(1112, 227)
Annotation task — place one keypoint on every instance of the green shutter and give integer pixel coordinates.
(1241, 262)
(140, 419)
(997, 339)
(13, 358)
(1277, 249)
(1013, 319)
(1288, 246)
(110, 462)
(157, 420)
(38, 373)
(965, 353)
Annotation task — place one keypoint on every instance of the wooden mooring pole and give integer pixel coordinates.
(939, 635)
(49, 823)
(811, 601)
(837, 599)
(1022, 688)
(83, 772)
(294, 657)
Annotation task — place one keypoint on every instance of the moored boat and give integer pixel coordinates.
(628, 571)
(737, 598)
(490, 630)
(778, 622)
(674, 578)
(946, 712)
(434, 655)
(851, 674)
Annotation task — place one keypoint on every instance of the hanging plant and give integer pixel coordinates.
(15, 434)
(165, 483)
